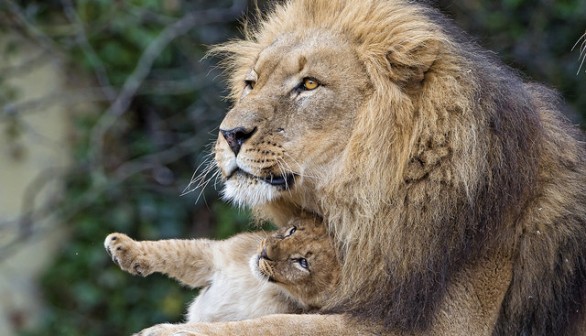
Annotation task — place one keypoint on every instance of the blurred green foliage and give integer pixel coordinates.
(180, 103)
(535, 37)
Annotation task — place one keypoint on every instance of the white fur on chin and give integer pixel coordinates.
(240, 191)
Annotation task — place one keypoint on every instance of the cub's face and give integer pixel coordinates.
(301, 259)
(294, 117)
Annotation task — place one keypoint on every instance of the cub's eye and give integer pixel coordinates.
(303, 262)
(290, 231)
(249, 84)
(310, 84)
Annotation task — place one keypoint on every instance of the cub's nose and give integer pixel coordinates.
(236, 137)
(264, 255)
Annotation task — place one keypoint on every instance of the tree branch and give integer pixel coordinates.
(144, 65)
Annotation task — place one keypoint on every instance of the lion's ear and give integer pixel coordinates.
(408, 64)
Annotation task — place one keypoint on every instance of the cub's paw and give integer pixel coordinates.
(128, 254)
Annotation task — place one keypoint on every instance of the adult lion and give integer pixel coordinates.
(455, 190)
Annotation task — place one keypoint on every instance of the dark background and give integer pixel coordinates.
(157, 107)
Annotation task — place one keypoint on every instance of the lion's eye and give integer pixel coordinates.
(303, 262)
(249, 84)
(290, 231)
(310, 84)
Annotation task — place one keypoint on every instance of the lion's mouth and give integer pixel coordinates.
(283, 181)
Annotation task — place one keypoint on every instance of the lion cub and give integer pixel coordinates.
(249, 275)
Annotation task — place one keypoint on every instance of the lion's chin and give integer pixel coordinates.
(244, 189)
(244, 192)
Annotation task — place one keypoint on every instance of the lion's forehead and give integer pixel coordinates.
(309, 41)
(290, 54)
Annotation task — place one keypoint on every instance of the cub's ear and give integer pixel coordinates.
(408, 63)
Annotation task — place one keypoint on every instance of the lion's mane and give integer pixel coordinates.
(453, 158)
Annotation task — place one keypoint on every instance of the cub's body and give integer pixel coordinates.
(229, 290)
(233, 292)
(292, 270)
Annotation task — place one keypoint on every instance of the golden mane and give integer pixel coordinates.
(453, 158)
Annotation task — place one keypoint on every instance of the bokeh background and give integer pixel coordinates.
(108, 107)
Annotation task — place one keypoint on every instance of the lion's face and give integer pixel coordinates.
(293, 119)
(301, 259)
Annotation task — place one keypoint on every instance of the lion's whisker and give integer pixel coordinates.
(299, 171)
(200, 178)
(582, 42)
(216, 176)
(204, 186)
(281, 167)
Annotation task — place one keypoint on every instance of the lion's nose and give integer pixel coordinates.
(236, 137)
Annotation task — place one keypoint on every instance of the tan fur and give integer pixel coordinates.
(273, 325)
(229, 291)
(456, 191)
(282, 255)
(234, 273)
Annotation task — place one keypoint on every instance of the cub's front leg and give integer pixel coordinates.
(189, 261)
